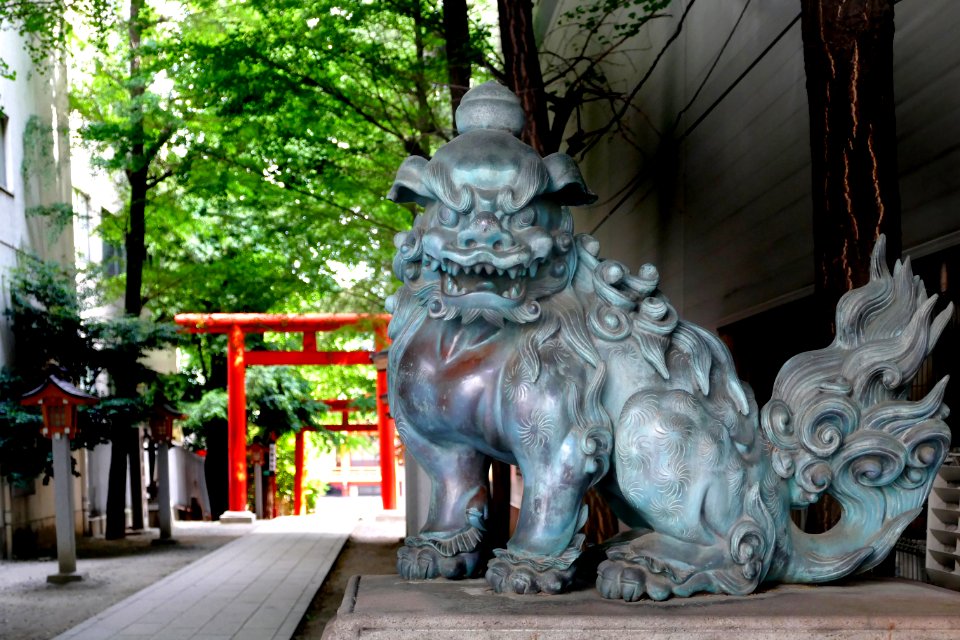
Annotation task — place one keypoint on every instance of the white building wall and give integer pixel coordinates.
(36, 168)
(34, 172)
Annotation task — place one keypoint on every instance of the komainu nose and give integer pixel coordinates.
(485, 231)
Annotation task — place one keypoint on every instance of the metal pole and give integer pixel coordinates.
(66, 536)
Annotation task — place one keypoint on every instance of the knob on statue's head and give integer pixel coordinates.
(490, 106)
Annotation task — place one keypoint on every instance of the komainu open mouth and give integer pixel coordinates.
(508, 282)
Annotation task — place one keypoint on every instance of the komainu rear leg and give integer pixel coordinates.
(662, 566)
(683, 473)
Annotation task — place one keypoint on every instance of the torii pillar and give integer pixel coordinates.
(237, 511)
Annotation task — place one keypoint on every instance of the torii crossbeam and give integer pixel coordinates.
(237, 325)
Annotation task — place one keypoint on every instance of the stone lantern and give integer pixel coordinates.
(59, 400)
(161, 432)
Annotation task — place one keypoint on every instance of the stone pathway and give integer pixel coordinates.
(256, 587)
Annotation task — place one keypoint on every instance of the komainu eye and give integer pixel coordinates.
(447, 217)
(524, 218)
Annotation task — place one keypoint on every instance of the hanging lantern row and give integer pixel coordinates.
(59, 400)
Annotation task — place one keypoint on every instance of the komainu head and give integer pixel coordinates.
(496, 237)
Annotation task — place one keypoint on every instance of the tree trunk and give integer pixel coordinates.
(134, 243)
(135, 452)
(420, 144)
(135, 239)
(456, 33)
(117, 487)
(848, 55)
(522, 67)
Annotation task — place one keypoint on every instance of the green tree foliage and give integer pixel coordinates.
(312, 134)
(131, 120)
(53, 337)
(43, 28)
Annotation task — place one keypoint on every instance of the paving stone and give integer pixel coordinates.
(275, 568)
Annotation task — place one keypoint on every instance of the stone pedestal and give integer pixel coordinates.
(386, 607)
(237, 517)
(164, 513)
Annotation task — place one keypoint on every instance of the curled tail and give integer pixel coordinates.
(839, 423)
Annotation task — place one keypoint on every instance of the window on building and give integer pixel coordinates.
(4, 150)
(113, 256)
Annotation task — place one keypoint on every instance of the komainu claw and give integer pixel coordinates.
(425, 563)
(417, 563)
(507, 577)
(619, 579)
(616, 580)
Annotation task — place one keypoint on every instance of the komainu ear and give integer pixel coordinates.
(408, 185)
(566, 183)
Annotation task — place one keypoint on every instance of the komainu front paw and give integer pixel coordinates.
(522, 572)
(425, 563)
(618, 579)
(504, 575)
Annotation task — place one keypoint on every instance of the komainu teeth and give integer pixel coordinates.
(489, 269)
(454, 268)
(533, 269)
(513, 272)
(513, 292)
(499, 271)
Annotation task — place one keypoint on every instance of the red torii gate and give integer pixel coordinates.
(236, 326)
(344, 408)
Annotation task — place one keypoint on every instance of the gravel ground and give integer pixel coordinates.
(33, 609)
(370, 550)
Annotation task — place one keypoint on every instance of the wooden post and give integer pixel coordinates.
(236, 427)
(388, 475)
(388, 454)
(298, 475)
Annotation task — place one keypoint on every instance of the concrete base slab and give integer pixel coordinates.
(386, 607)
(64, 578)
(237, 517)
